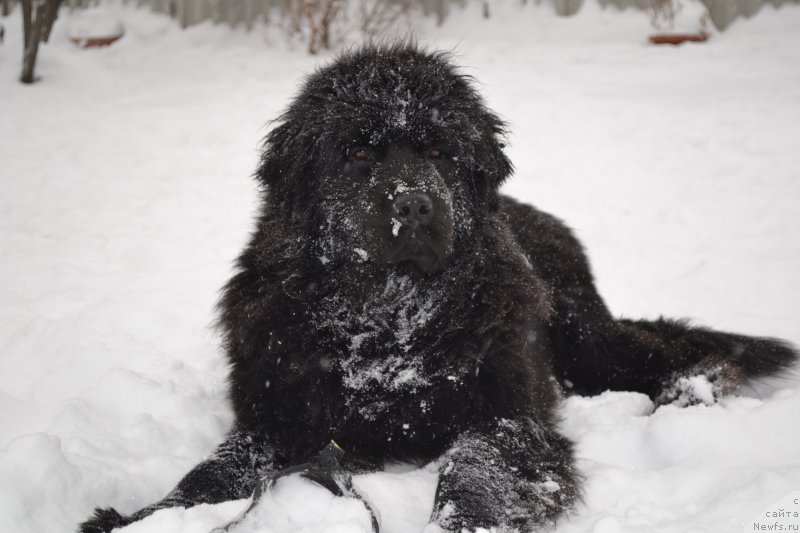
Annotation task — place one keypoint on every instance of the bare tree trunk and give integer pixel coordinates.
(325, 25)
(320, 18)
(331, 9)
(50, 16)
(313, 27)
(26, 22)
(295, 17)
(381, 16)
(32, 45)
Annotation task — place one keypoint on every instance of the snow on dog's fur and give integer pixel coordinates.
(392, 300)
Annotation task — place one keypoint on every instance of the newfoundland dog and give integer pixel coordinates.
(392, 300)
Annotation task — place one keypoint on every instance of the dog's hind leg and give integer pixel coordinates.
(594, 352)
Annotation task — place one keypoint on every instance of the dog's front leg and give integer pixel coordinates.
(230, 473)
(512, 476)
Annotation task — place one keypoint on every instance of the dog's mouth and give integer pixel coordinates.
(418, 255)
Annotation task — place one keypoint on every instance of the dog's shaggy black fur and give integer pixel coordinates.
(391, 299)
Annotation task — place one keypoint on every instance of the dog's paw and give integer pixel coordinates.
(103, 521)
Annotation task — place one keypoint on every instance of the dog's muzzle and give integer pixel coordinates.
(419, 233)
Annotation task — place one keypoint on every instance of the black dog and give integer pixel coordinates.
(391, 299)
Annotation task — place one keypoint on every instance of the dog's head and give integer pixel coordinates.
(388, 157)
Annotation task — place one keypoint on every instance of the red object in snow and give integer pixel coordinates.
(89, 42)
(678, 38)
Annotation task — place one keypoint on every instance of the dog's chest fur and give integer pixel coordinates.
(390, 379)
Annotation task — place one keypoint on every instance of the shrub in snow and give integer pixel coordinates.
(679, 16)
(94, 24)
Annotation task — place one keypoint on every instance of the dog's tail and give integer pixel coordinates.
(670, 360)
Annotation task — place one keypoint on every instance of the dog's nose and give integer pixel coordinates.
(414, 209)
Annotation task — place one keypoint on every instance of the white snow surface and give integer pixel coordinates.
(125, 194)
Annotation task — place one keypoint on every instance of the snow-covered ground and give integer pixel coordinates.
(125, 194)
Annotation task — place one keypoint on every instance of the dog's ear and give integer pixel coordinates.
(494, 166)
(500, 167)
(276, 160)
(285, 171)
